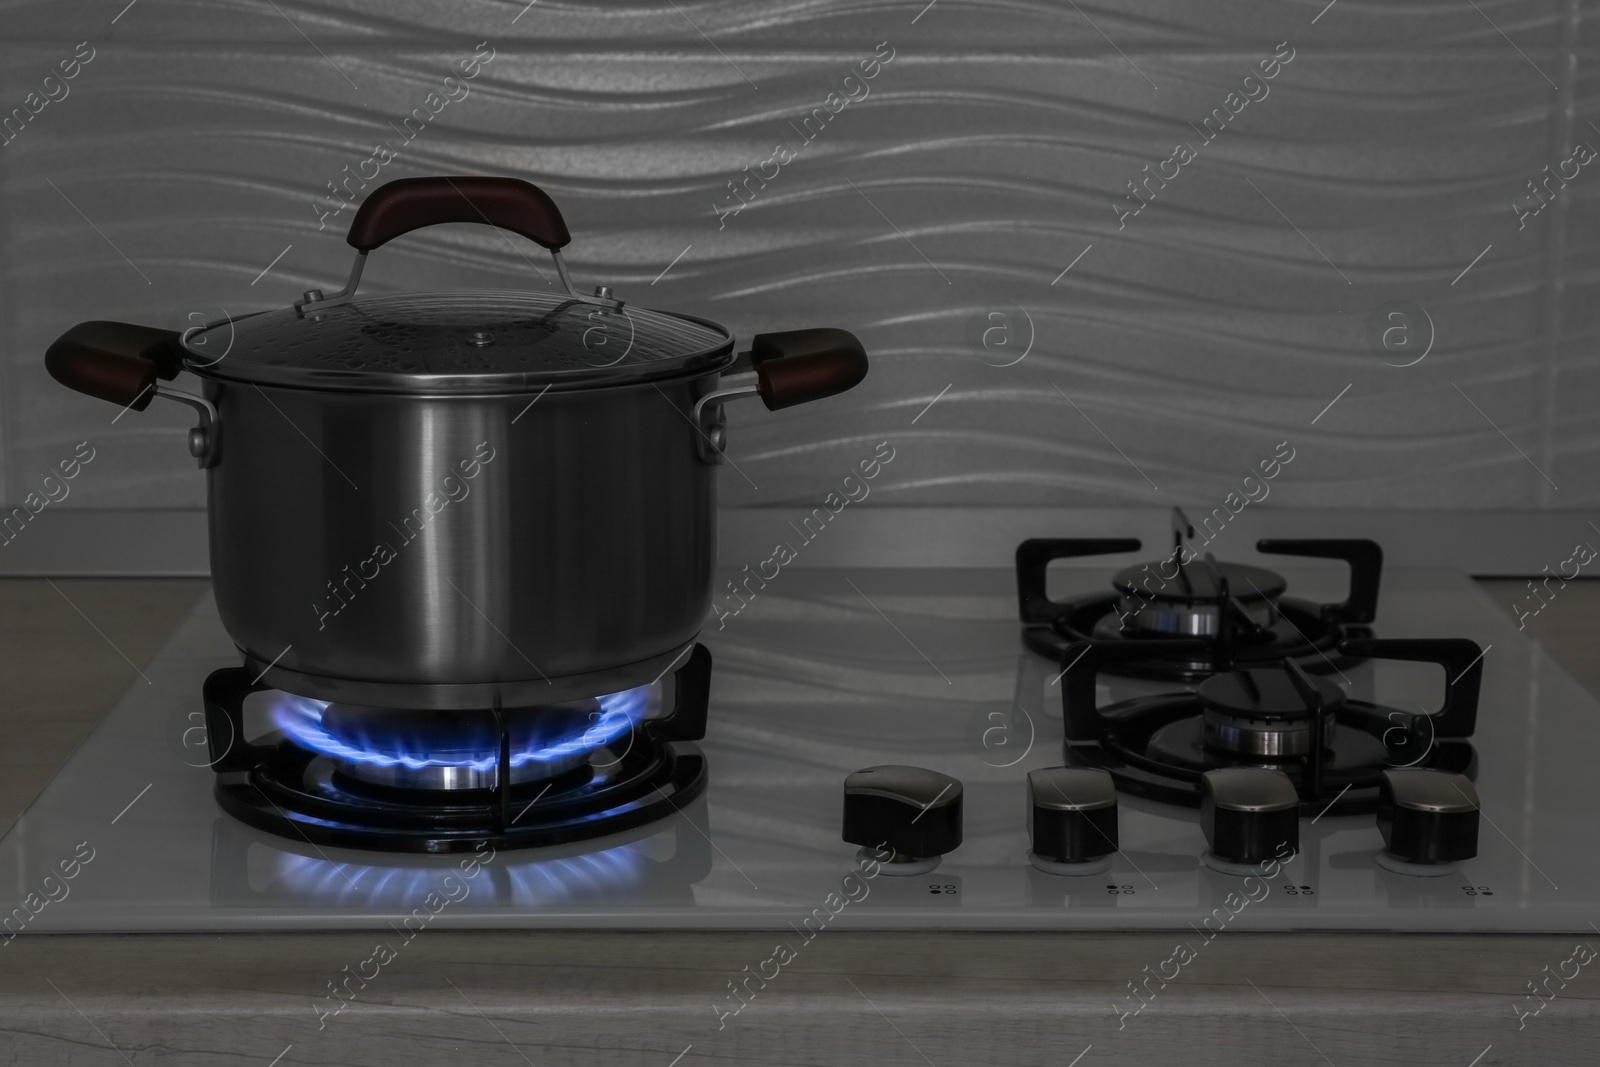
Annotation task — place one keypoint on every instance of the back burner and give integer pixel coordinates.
(444, 781)
(1240, 612)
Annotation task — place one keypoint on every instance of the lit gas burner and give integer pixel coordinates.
(456, 749)
(447, 780)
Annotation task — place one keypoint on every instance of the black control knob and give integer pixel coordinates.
(1250, 815)
(1072, 819)
(910, 812)
(1429, 820)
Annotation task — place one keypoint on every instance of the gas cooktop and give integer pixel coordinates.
(861, 673)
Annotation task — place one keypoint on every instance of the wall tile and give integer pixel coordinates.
(988, 154)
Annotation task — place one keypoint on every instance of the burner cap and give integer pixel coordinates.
(1189, 602)
(1263, 693)
(1198, 582)
(1258, 713)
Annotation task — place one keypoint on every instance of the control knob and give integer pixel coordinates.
(1250, 815)
(1072, 819)
(1429, 821)
(911, 813)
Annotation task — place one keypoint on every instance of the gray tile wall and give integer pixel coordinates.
(1172, 357)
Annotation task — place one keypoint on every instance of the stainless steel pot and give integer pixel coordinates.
(462, 499)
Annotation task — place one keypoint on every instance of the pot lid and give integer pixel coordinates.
(471, 341)
(457, 342)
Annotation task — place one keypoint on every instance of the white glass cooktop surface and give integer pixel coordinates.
(827, 671)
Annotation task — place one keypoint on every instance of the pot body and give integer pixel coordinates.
(461, 551)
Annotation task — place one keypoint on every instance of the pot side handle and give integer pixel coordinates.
(791, 367)
(115, 361)
(407, 204)
(798, 366)
(119, 362)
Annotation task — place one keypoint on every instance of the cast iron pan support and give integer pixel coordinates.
(1182, 530)
(1034, 557)
(691, 697)
(1462, 662)
(1081, 661)
(1233, 623)
(1366, 568)
(502, 772)
(223, 696)
(1230, 614)
(1311, 772)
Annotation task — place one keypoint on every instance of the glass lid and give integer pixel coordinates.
(457, 342)
(473, 341)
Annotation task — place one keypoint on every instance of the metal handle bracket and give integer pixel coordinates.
(313, 300)
(202, 438)
(712, 421)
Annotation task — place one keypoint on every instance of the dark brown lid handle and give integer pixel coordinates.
(115, 361)
(407, 204)
(797, 366)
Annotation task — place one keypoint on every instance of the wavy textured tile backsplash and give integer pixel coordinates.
(991, 153)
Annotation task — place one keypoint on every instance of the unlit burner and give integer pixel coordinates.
(1190, 605)
(1258, 713)
(1240, 611)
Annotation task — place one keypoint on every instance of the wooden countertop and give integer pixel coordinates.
(68, 648)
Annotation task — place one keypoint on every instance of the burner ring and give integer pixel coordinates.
(1261, 737)
(446, 777)
(444, 751)
(1184, 619)
(1258, 712)
(1188, 602)
(1301, 633)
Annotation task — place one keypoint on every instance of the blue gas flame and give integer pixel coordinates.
(586, 877)
(300, 718)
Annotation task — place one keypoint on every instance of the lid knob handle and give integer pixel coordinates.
(407, 204)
